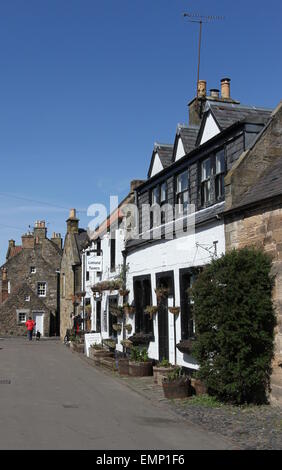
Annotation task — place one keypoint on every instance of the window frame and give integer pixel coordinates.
(214, 176)
(42, 283)
(179, 200)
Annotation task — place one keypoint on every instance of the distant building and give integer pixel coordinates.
(29, 284)
(71, 273)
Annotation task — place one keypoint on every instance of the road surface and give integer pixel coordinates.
(58, 401)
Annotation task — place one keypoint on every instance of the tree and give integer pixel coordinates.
(235, 322)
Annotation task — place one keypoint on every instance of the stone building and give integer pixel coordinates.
(253, 214)
(29, 284)
(71, 273)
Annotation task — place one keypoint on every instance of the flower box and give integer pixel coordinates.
(161, 372)
(140, 369)
(176, 388)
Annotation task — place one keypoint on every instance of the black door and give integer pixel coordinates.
(142, 299)
(187, 278)
(113, 301)
(165, 281)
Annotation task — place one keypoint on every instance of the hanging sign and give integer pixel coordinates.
(94, 263)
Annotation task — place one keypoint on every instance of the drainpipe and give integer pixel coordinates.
(124, 255)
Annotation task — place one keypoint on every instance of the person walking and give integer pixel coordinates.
(30, 324)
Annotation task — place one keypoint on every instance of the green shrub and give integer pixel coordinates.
(137, 355)
(235, 322)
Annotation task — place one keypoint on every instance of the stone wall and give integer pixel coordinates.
(262, 227)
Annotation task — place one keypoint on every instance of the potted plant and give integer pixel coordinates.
(161, 370)
(126, 343)
(198, 386)
(176, 385)
(110, 343)
(151, 310)
(174, 310)
(139, 364)
(116, 311)
(77, 344)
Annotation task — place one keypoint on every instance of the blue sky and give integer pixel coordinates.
(87, 87)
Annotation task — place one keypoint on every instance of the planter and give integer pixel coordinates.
(176, 389)
(140, 369)
(160, 373)
(128, 310)
(151, 310)
(117, 327)
(198, 386)
(77, 347)
(116, 311)
(140, 339)
(123, 366)
(123, 292)
(97, 354)
(126, 343)
(128, 327)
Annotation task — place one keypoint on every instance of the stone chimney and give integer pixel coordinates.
(28, 241)
(40, 230)
(4, 285)
(72, 222)
(57, 239)
(214, 93)
(134, 184)
(225, 88)
(196, 106)
(12, 243)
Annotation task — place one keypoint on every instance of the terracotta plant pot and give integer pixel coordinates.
(198, 386)
(160, 373)
(176, 389)
(140, 369)
(123, 366)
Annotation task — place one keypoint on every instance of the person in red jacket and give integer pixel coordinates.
(30, 324)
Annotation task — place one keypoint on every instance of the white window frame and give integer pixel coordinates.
(45, 291)
(32, 270)
(22, 322)
(27, 298)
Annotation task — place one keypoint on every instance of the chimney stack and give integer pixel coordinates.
(202, 89)
(214, 93)
(225, 88)
(4, 285)
(12, 243)
(57, 239)
(28, 241)
(197, 105)
(72, 222)
(40, 230)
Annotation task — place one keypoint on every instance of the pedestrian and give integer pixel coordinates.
(30, 324)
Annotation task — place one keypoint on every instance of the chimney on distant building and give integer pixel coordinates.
(40, 230)
(12, 243)
(134, 184)
(28, 241)
(57, 239)
(225, 88)
(72, 222)
(197, 105)
(4, 285)
(214, 93)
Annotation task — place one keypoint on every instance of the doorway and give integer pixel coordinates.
(164, 280)
(38, 317)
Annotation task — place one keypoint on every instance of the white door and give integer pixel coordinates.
(39, 325)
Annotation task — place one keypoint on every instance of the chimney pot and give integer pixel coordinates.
(202, 88)
(214, 93)
(72, 214)
(225, 88)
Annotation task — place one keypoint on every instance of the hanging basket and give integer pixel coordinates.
(128, 310)
(117, 327)
(116, 311)
(151, 310)
(174, 310)
(123, 292)
(162, 292)
(128, 327)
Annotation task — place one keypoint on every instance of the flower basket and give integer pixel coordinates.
(139, 339)
(116, 311)
(186, 346)
(174, 310)
(151, 310)
(161, 292)
(117, 327)
(123, 292)
(128, 310)
(128, 327)
(126, 343)
(110, 343)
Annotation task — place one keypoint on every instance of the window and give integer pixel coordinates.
(98, 247)
(113, 254)
(182, 196)
(22, 317)
(27, 298)
(163, 200)
(206, 181)
(41, 289)
(155, 201)
(98, 317)
(219, 174)
(87, 275)
(32, 270)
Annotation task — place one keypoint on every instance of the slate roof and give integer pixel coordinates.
(227, 114)
(269, 185)
(188, 136)
(165, 152)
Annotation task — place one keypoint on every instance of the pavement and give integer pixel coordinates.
(51, 399)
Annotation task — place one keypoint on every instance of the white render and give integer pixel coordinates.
(180, 152)
(157, 165)
(210, 130)
(192, 250)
